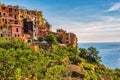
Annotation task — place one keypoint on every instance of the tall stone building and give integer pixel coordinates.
(69, 39)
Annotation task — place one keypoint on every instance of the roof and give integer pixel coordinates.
(44, 42)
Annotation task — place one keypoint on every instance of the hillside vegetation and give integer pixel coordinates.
(53, 62)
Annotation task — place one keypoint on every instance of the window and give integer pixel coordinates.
(8, 35)
(11, 22)
(3, 20)
(1, 35)
(16, 29)
(66, 34)
(15, 35)
(4, 14)
(18, 35)
(1, 28)
(3, 8)
(67, 38)
(9, 28)
(21, 16)
(16, 21)
(10, 9)
(28, 12)
(15, 16)
(0, 14)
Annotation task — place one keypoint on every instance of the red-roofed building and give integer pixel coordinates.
(43, 32)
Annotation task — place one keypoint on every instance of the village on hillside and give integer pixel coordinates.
(29, 25)
(30, 48)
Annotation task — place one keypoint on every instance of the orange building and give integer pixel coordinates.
(43, 32)
(12, 24)
(45, 29)
(48, 27)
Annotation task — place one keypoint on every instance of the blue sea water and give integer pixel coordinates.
(108, 51)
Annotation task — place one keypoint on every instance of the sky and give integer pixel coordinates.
(90, 20)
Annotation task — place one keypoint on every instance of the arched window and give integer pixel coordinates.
(16, 29)
(1, 28)
(15, 35)
(1, 35)
(18, 35)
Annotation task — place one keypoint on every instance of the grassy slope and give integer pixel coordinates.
(19, 61)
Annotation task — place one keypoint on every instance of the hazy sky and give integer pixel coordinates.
(90, 20)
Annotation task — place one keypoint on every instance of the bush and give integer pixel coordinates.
(57, 71)
(75, 60)
(51, 39)
(93, 55)
(83, 52)
(41, 38)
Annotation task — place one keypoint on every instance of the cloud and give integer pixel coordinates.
(108, 18)
(88, 28)
(115, 7)
(106, 29)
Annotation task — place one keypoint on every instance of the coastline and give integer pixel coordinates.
(109, 52)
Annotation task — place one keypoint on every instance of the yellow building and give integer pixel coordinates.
(39, 14)
(21, 12)
(0, 13)
(0, 6)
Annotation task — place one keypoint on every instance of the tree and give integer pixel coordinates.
(51, 39)
(59, 38)
(75, 60)
(90, 54)
(93, 55)
(83, 52)
(56, 72)
(13, 43)
(41, 38)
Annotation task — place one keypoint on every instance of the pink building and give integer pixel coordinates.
(10, 26)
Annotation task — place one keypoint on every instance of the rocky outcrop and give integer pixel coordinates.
(77, 72)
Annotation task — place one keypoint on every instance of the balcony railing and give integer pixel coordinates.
(10, 22)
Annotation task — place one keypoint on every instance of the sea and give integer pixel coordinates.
(108, 51)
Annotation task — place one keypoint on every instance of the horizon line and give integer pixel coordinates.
(97, 41)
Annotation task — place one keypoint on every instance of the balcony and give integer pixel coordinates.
(15, 25)
(10, 22)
